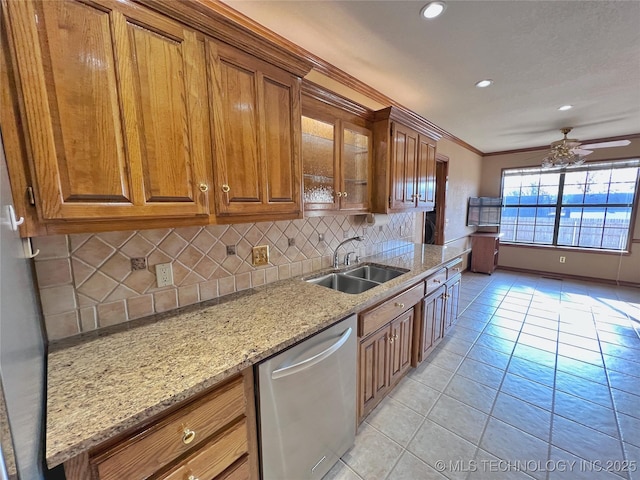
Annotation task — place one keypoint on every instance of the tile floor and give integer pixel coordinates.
(540, 378)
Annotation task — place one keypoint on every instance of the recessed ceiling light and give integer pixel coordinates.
(433, 9)
(564, 108)
(484, 83)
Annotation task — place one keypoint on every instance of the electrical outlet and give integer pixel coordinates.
(402, 230)
(164, 274)
(292, 242)
(260, 255)
(563, 259)
(321, 237)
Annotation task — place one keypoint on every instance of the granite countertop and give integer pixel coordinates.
(105, 385)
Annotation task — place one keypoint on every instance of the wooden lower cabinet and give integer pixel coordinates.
(439, 313)
(211, 437)
(452, 296)
(400, 339)
(385, 356)
(430, 329)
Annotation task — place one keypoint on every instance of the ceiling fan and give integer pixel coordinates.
(570, 151)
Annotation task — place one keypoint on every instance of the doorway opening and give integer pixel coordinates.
(434, 221)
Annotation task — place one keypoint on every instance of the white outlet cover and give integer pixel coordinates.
(164, 274)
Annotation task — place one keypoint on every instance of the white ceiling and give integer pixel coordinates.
(540, 54)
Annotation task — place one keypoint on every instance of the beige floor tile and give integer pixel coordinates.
(373, 455)
(395, 420)
(439, 448)
(459, 418)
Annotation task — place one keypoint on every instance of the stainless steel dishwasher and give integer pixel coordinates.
(307, 404)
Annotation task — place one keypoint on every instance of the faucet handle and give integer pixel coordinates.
(347, 258)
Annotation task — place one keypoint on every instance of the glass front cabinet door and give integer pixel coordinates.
(336, 157)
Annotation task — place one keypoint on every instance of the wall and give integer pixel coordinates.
(86, 281)
(464, 181)
(624, 268)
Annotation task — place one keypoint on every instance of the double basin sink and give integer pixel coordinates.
(358, 279)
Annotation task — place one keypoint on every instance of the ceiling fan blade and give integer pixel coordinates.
(614, 143)
(581, 151)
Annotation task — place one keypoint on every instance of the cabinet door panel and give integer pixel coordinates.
(374, 371)
(67, 66)
(278, 148)
(453, 294)
(256, 121)
(356, 167)
(239, 123)
(432, 322)
(159, 81)
(319, 163)
(111, 117)
(400, 345)
(403, 170)
(426, 180)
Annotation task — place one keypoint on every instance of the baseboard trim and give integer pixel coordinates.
(560, 276)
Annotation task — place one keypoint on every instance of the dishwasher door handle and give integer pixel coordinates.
(311, 361)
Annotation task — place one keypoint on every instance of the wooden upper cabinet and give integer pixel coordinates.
(404, 163)
(337, 150)
(256, 125)
(426, 173)
(114, 103)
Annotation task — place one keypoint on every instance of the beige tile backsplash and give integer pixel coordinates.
(86, 281)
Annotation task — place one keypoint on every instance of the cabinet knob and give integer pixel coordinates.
(391, 339)
(188, 436)
(203, 187)
(401, 305)
(339, 194)
(192, 477)
(344, 194)
(225, 188)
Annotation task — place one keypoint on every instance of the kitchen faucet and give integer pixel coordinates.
(335, 253)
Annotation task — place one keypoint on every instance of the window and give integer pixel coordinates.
(589, 206)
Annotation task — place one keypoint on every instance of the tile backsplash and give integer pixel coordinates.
(87, 281)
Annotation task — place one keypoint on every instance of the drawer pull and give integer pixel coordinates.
(401, 305)
(435, 280)
(193, 477)
(188, 436)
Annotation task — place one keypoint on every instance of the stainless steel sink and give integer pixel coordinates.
(376, 273)
(343, 283)
(359, 279)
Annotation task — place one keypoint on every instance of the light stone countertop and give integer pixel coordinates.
(106, 385)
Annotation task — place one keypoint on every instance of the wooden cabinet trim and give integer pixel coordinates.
(316, 97)
(409, 119)
(226, 24)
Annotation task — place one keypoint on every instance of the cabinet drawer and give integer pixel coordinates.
(216, 456)
(374, 319)
(454, 268)
(436, 280)
(130, 459)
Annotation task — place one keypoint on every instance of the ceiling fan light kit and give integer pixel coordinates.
(564, 152)
(569, 151)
